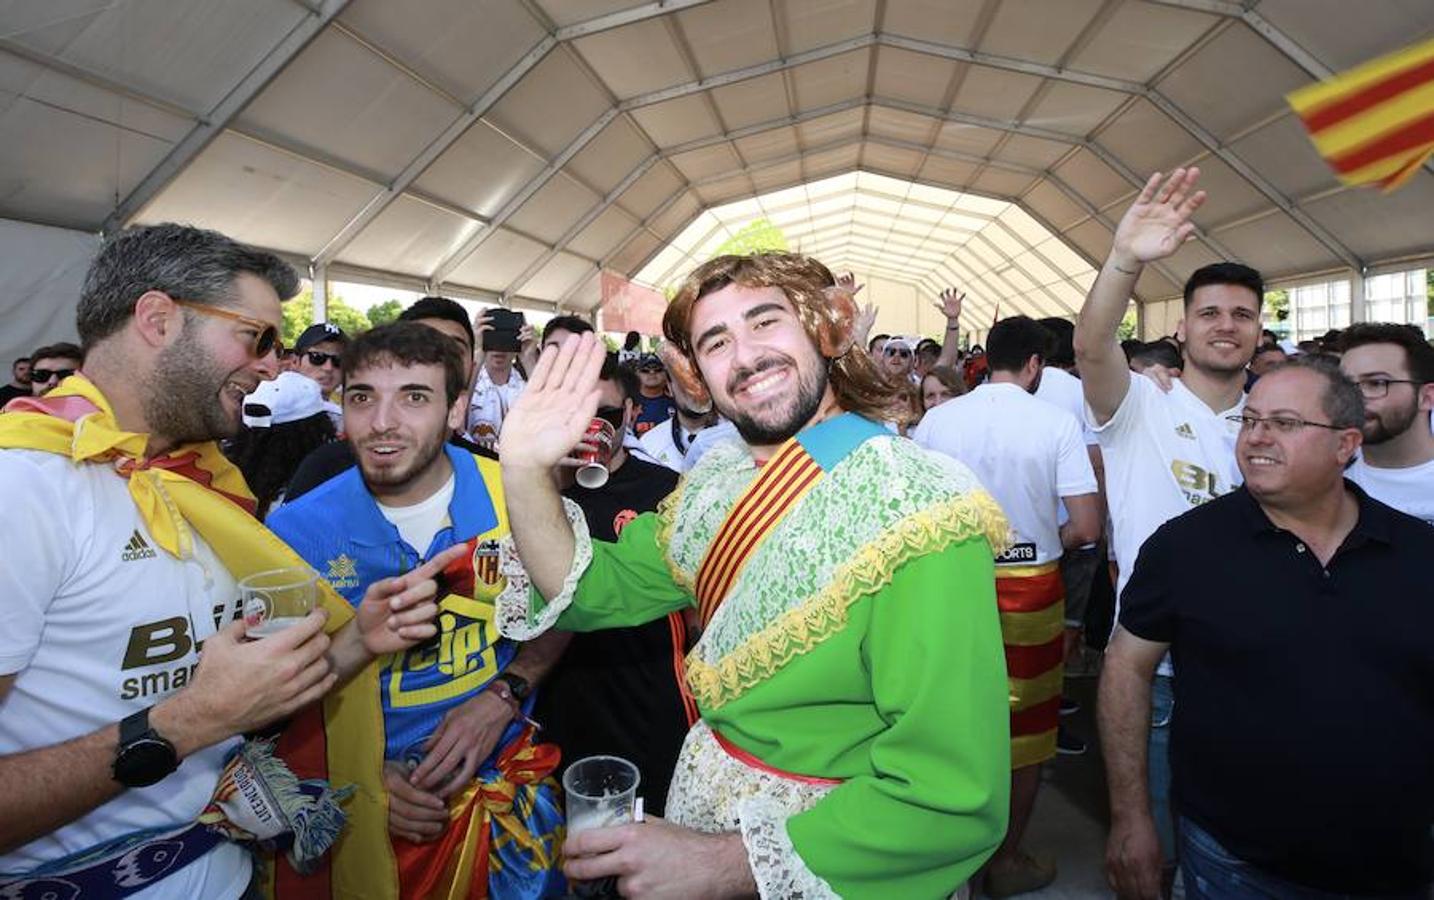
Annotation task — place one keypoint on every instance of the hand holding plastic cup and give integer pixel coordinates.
(274, 600)
(600, 791)
(595, 453)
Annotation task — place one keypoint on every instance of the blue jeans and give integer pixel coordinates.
(1162, 709)
(1212, 873)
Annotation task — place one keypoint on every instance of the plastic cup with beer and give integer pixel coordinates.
(276, 599)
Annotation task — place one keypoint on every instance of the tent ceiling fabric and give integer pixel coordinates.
(516, 148)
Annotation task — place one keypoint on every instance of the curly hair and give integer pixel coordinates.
(268, 457)
(857, 383)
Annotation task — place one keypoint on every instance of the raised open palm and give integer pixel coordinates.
(555, 408)
(949, 302)
(1158, 222)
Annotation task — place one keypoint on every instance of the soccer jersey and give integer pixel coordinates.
(97, 622)
(653, 411)
(1027, 453)
(339, 529)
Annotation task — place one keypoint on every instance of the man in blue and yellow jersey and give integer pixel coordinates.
(472, 804)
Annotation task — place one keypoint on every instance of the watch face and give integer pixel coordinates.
(519, 685)
(144, 762)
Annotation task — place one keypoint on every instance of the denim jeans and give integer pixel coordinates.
(1162, 709)
(1210, 872)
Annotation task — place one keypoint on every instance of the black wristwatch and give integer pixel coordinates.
(143, 757)
(517, 684)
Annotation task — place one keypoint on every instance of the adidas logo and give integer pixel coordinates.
(1184, 430)
(136, 548)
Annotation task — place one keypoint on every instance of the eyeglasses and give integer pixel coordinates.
(43, 375)
(265, 342)
(318, 358)
(1279, 424)
(1375, 388)
(897, 351)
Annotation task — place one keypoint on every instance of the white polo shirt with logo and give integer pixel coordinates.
(1164, 455)
(96, 623)
(1028, 453)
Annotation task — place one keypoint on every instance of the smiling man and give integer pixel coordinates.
(1163, 453)
(853, 737)
(1301, 741)
(454, 708)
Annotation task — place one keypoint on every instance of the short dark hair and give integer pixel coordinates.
(1342, 402)
(63, 349)
(18, 360)
(184, 262)
(871, 344)
(624, 376)
(1266, 348)
(407, 344)
(1418, 354)
(440, 308)
(928, 349)
(1014, 340)
(1063, 338)
(571, 324)
(1160, 352)
(1226, 273)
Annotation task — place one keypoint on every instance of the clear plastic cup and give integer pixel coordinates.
(274, 600)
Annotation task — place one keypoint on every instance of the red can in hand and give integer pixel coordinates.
(603, 438)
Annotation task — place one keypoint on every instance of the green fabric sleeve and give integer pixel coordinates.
(627, 583)
(937, 804)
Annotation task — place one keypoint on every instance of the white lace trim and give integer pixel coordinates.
(516, 618)
(713, 792)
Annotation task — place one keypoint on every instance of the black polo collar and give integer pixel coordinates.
(1374, 523)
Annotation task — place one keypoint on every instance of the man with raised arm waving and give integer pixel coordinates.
(850, 678)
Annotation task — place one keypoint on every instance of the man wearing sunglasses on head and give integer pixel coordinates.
(52, 364)
(318, 351)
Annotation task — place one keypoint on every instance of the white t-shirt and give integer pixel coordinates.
(1409, 490)
(660, 444)
(721, 433)
(420, 523)
(1026, 452)
(1063, 389)
(1164, 455)
(490, 403)
(96, 623)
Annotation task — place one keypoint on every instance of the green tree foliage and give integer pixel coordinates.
(756, 237)
(1277, 306)
(384, 313)
(1126, 330)
(299, 314)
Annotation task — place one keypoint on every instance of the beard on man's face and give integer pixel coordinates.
(1389, 424)
(183, 402)
(775, 424)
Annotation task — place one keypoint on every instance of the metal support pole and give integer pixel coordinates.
(319, 276)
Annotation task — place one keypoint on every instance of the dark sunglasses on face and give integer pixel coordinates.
(318, 358)
(898, 351)
(265, 341)
(43, 375)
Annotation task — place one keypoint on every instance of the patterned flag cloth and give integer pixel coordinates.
(1375, 123)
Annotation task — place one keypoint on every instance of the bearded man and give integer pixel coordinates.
(853, 737)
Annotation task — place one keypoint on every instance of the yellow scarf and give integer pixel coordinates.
(194, 488)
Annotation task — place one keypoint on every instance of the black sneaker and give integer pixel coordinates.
(1069, 707)
(1067, 744)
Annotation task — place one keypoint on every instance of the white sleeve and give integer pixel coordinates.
(1074, 475)
(1128, 414)
(39, 557)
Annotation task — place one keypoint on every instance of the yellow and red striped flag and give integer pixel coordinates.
(1375, 123)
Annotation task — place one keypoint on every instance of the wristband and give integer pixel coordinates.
(505, 693)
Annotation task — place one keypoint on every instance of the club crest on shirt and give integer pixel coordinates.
(485, 563)
(343, 572)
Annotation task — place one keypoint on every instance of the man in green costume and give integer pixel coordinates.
(850, 676)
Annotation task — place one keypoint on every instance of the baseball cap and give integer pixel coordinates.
(318, 333)
(290, 397)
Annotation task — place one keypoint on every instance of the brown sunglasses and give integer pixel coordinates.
(265, 342)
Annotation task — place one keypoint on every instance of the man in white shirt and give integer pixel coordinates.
(669, 442)
(1394, 368)
(1030, 456)
(1164, 454)
(498, 386)
(103, 691)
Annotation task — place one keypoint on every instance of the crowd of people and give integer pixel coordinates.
(820, 587)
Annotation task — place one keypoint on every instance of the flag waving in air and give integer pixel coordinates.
(1375, 123)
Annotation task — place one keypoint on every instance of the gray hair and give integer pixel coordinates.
(1342, 402)
(185, 262)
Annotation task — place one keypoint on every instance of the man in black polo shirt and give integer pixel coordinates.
(621, 691)
(1301, 748)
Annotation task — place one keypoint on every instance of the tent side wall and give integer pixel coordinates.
(40, 285)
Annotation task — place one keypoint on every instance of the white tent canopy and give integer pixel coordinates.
(514, 149)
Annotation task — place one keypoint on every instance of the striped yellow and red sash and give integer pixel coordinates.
(1030, 599)
(785, 479)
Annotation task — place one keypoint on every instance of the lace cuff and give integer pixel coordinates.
(516, 617)
(779, 871)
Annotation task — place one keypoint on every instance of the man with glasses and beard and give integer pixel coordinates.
(622, 691)
(1394, 368)
(318, 352)
(456, 709)
(136, 532)
(853, 738)
(52, 364)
